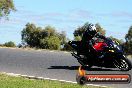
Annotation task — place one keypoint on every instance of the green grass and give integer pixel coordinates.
(20, 82)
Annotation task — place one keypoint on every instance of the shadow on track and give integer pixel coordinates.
(85, 68)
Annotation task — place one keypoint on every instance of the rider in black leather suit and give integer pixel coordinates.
(87, 39)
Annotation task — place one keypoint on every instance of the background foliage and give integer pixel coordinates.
(45, 38)
(6, 6)
(9, 44)
(128, 43)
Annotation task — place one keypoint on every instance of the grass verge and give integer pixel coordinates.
(7, 81)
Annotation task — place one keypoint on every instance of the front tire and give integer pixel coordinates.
(123, 64)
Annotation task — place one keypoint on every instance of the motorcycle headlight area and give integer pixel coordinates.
(111, 51)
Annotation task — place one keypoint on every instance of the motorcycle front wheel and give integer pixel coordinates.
(123, 64)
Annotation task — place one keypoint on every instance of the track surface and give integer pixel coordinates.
(49, 64)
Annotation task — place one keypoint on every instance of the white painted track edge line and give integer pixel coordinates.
(34, 77)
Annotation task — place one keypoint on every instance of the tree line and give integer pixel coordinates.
(44, 38)
(49, 38)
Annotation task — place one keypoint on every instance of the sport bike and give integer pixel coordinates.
(107, 53)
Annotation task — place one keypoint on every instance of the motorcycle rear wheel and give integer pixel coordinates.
(84, 63)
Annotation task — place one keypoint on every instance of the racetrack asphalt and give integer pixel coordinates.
(49, 64)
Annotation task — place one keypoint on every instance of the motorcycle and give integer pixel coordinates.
(107, 53)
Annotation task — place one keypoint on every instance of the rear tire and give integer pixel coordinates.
(85, 63)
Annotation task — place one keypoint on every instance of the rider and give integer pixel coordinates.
(88, 35)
